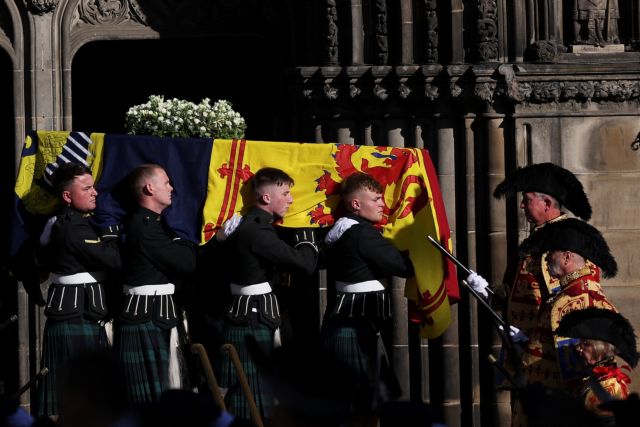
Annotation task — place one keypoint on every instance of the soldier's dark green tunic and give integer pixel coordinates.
(152, 256)
(74, 254)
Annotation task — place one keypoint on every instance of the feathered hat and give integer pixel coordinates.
(573, 235)
(604, 325)
(549, 179)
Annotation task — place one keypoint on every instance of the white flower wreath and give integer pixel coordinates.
(179, 118)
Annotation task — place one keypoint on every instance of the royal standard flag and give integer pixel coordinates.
(413, 205)
(42, 153)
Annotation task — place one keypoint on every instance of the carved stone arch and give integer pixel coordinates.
(12, 16)
(6, 28)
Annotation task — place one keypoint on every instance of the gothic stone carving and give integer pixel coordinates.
(332, 32)
(100, 12)
(383, 84)
(40, 7)
(382, 46)
(541, 51)
(596, 21)
(431, 31)
(487, 30)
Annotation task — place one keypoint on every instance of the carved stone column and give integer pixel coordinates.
(406, 16)
(357, 33)
(457, 30)
(472, 306)
(496, 232)
(400, 333)
(45, 75)
(445, 167)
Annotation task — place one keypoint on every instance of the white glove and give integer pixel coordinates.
(516, 334)
(45, 237)
(229, 227)
(478, 283)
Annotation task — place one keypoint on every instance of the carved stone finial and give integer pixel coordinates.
(541, 51)
(40, 7)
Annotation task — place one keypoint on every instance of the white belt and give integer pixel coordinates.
(78, 278)
(257, 289)
(367, 286)
(166, 289)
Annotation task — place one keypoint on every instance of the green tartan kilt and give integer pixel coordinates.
(345, 347)
(142, 352)
(235, 399)
(62, 341)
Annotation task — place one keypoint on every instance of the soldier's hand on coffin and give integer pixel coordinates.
(304, 236)
(229, 227)
(478, 283)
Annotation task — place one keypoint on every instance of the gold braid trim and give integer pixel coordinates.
(568, 278)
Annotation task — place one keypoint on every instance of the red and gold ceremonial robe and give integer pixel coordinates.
(613, 379)
(547, 357)
(532, 286)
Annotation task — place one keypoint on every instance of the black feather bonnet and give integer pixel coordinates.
(549, 179)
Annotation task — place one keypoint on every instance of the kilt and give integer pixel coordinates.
(234, 399)
(356, 354)
(351, 350)
(142, 352)
(62, 341)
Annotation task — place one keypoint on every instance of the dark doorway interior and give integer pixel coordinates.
(7, 136)
(8, 286)
(110, 76)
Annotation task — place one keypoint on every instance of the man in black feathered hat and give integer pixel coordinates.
(547, 190)
(567, 246)
(599, 336)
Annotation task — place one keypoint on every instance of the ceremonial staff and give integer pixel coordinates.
(44, 371)
(518, 380)
(479, 297)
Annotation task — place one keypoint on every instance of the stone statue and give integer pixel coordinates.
(596, 22)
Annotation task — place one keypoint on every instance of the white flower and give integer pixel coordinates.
(176, 117)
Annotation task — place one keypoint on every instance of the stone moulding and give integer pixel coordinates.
(487, 84)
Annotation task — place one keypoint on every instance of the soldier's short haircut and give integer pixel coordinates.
(139, 177)
(270, 176)
(360, 181)
(64, 176)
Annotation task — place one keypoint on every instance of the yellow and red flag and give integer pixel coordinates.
(413, 205)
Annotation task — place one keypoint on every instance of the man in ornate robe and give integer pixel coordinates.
(567, 247)
(599, 337)
(547, 189)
